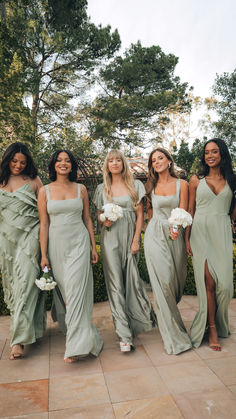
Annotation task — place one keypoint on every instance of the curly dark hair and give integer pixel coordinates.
(226, 167)
(51, 166)
(153, 176)
(30, 168)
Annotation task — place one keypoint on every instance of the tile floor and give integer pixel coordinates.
(144, 384)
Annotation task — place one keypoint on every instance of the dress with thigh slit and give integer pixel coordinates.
(211, 242)
(69, 255)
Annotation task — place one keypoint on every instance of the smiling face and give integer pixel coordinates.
(160, 162)
(63, 164)
(17, 164)
(212, 154)
(115, 164)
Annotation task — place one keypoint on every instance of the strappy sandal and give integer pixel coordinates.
(17, 353)
(125, 347)
(217, 346)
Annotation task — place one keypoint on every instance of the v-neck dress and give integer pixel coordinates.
(69, 255)
(19, 264)
(211, 241)
(130, 306)
(167, 268)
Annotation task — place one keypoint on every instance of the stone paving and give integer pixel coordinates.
(146, 383)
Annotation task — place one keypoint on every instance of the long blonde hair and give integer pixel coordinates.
(127, 177)
(153, 176)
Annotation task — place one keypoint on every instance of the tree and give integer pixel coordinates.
(188, 158)
(225, 106)
(57, 49)
(136, 89)
(15, 121)
(176, 126)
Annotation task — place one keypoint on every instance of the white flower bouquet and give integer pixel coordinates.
(46, 282)
(112, 212)
(179, 217)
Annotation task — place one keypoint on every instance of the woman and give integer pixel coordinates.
(130, 306)
(19, 250)
(212, 199)
(166, 258)
(66, 231)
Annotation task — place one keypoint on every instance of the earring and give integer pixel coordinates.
(169, 165)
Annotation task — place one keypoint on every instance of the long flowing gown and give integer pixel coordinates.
(69, 254)
(130, 306)
(19, 264)
(166, 263)
(211, 242)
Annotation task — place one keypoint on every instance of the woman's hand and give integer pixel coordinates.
(135, 247)
(188, 247)
(107, 223)
(174, 234)
(44, 262)
(94, 256)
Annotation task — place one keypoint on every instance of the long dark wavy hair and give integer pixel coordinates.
(30, 169)
(226, 167)
(153, 176)
(51, 166)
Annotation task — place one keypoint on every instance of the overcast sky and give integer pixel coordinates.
(202, 33)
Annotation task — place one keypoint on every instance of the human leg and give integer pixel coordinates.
(211, 310)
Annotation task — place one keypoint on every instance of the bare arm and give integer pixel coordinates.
(36, 185)
(88, 222)
(139, 224)
(183, 203)
(233, 215)
(193, 184)
(39, 185)
(149, 210)
(44, 226)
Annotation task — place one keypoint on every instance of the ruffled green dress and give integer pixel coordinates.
(167, 267)
(211, 241)
(19, 264)
(70, 260)
(130, 306)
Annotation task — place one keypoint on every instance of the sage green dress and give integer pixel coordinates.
(167, 266)
(130, 306)
(19, 264)
(211, 241)
(69, 254)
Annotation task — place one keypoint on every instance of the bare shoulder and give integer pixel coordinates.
(35, 184)
(42, 191)
(183, 184)
(194, 181)
(83, 190)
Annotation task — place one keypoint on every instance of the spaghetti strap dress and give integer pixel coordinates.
(211, 242)
(130, 306)
(166, 261)
(19, 264)
(69, 255)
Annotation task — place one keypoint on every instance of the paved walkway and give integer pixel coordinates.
(143, 384)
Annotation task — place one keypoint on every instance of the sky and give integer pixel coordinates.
(202, 33)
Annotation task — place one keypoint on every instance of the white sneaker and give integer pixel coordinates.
(125, 347)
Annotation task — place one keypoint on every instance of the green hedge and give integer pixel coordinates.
(100, 293)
